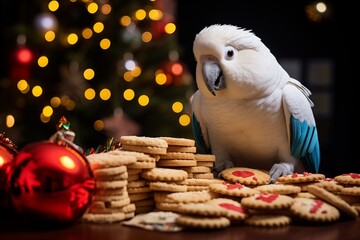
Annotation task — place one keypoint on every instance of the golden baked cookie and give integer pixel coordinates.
(246, 176)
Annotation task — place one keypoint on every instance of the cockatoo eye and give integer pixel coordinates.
(229, 52)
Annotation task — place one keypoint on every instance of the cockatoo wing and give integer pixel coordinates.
(199, 126)
(302, 132)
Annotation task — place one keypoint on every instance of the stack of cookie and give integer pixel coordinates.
(165, 180)
(147, 151)
(110, 202)
(180, 153)
(139, 192)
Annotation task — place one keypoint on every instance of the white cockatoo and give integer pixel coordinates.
(248, 111)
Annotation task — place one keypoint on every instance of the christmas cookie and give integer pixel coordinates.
(174, 141)
(353, 191)
(203, 222)
(333, 200)
(205, 157)
(103, 218)
(314, 210)
(267, 201)
(164, 174)
(268, 220)
(167, 186)
(201, 209)
(246, 176)
(175, 163)
(107, 160)
(232, 189)
(143, 141)
(348, 178)
(184, 197)
(301, 177)
(234, 210)
(278, 188)
(329, 184)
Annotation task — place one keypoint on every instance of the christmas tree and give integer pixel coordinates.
(111, 68)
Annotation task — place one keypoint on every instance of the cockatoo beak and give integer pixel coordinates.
(212, 74)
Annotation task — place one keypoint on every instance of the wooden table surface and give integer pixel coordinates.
(11, 229)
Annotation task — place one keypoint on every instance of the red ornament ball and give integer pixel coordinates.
(50, 183)
(7, 154)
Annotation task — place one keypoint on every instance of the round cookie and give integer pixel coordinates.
(232, 189)
(203, 222)
(103, 218)
(329, 184)
(246, 176)
(314, 210)
(333, 200)
(201, 209)
(174, 141)
(143, 141)
(268, 220)
(278, 188)
(301, 177)
(348, 178)
(267, 201)
(164, 174)
(234, 210)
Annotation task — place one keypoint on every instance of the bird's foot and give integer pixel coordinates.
(280, 169)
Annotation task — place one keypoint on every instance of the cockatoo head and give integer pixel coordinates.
(233, 63)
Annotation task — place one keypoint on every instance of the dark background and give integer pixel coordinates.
(287, 31)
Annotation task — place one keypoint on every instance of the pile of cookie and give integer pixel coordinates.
(128, 178)
(245, 197)
(148, 174)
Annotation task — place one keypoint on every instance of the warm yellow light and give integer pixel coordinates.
(155, 14)
(49, 36)
(140, 14)
(170, 28)
(44, 119)
(125, 21)
(55, 102)
(128, 76)
(146, 36)
(87, 33)
(37, 91)
(65, 100)
(143, 100)
(43, 61)
(70, 105)
(47, 111)
(72, 38)
(67, 162)
(105, 43)
(177, 107)
(129, 94)
(160, 78)
(106, 9)
(89, 94)
(98, 125)
(53, 5)
(105, 94)
(92, 8)
(136, 71)
(184, 120)
(98, 27)
(22, 85)
(10, 121)
(89, 74)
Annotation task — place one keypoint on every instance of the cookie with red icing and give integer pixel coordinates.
(232, 189)
(314, 210)
(301, 177)
(246, 176)
(348, 178)
(267, 201)
(234, 210)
